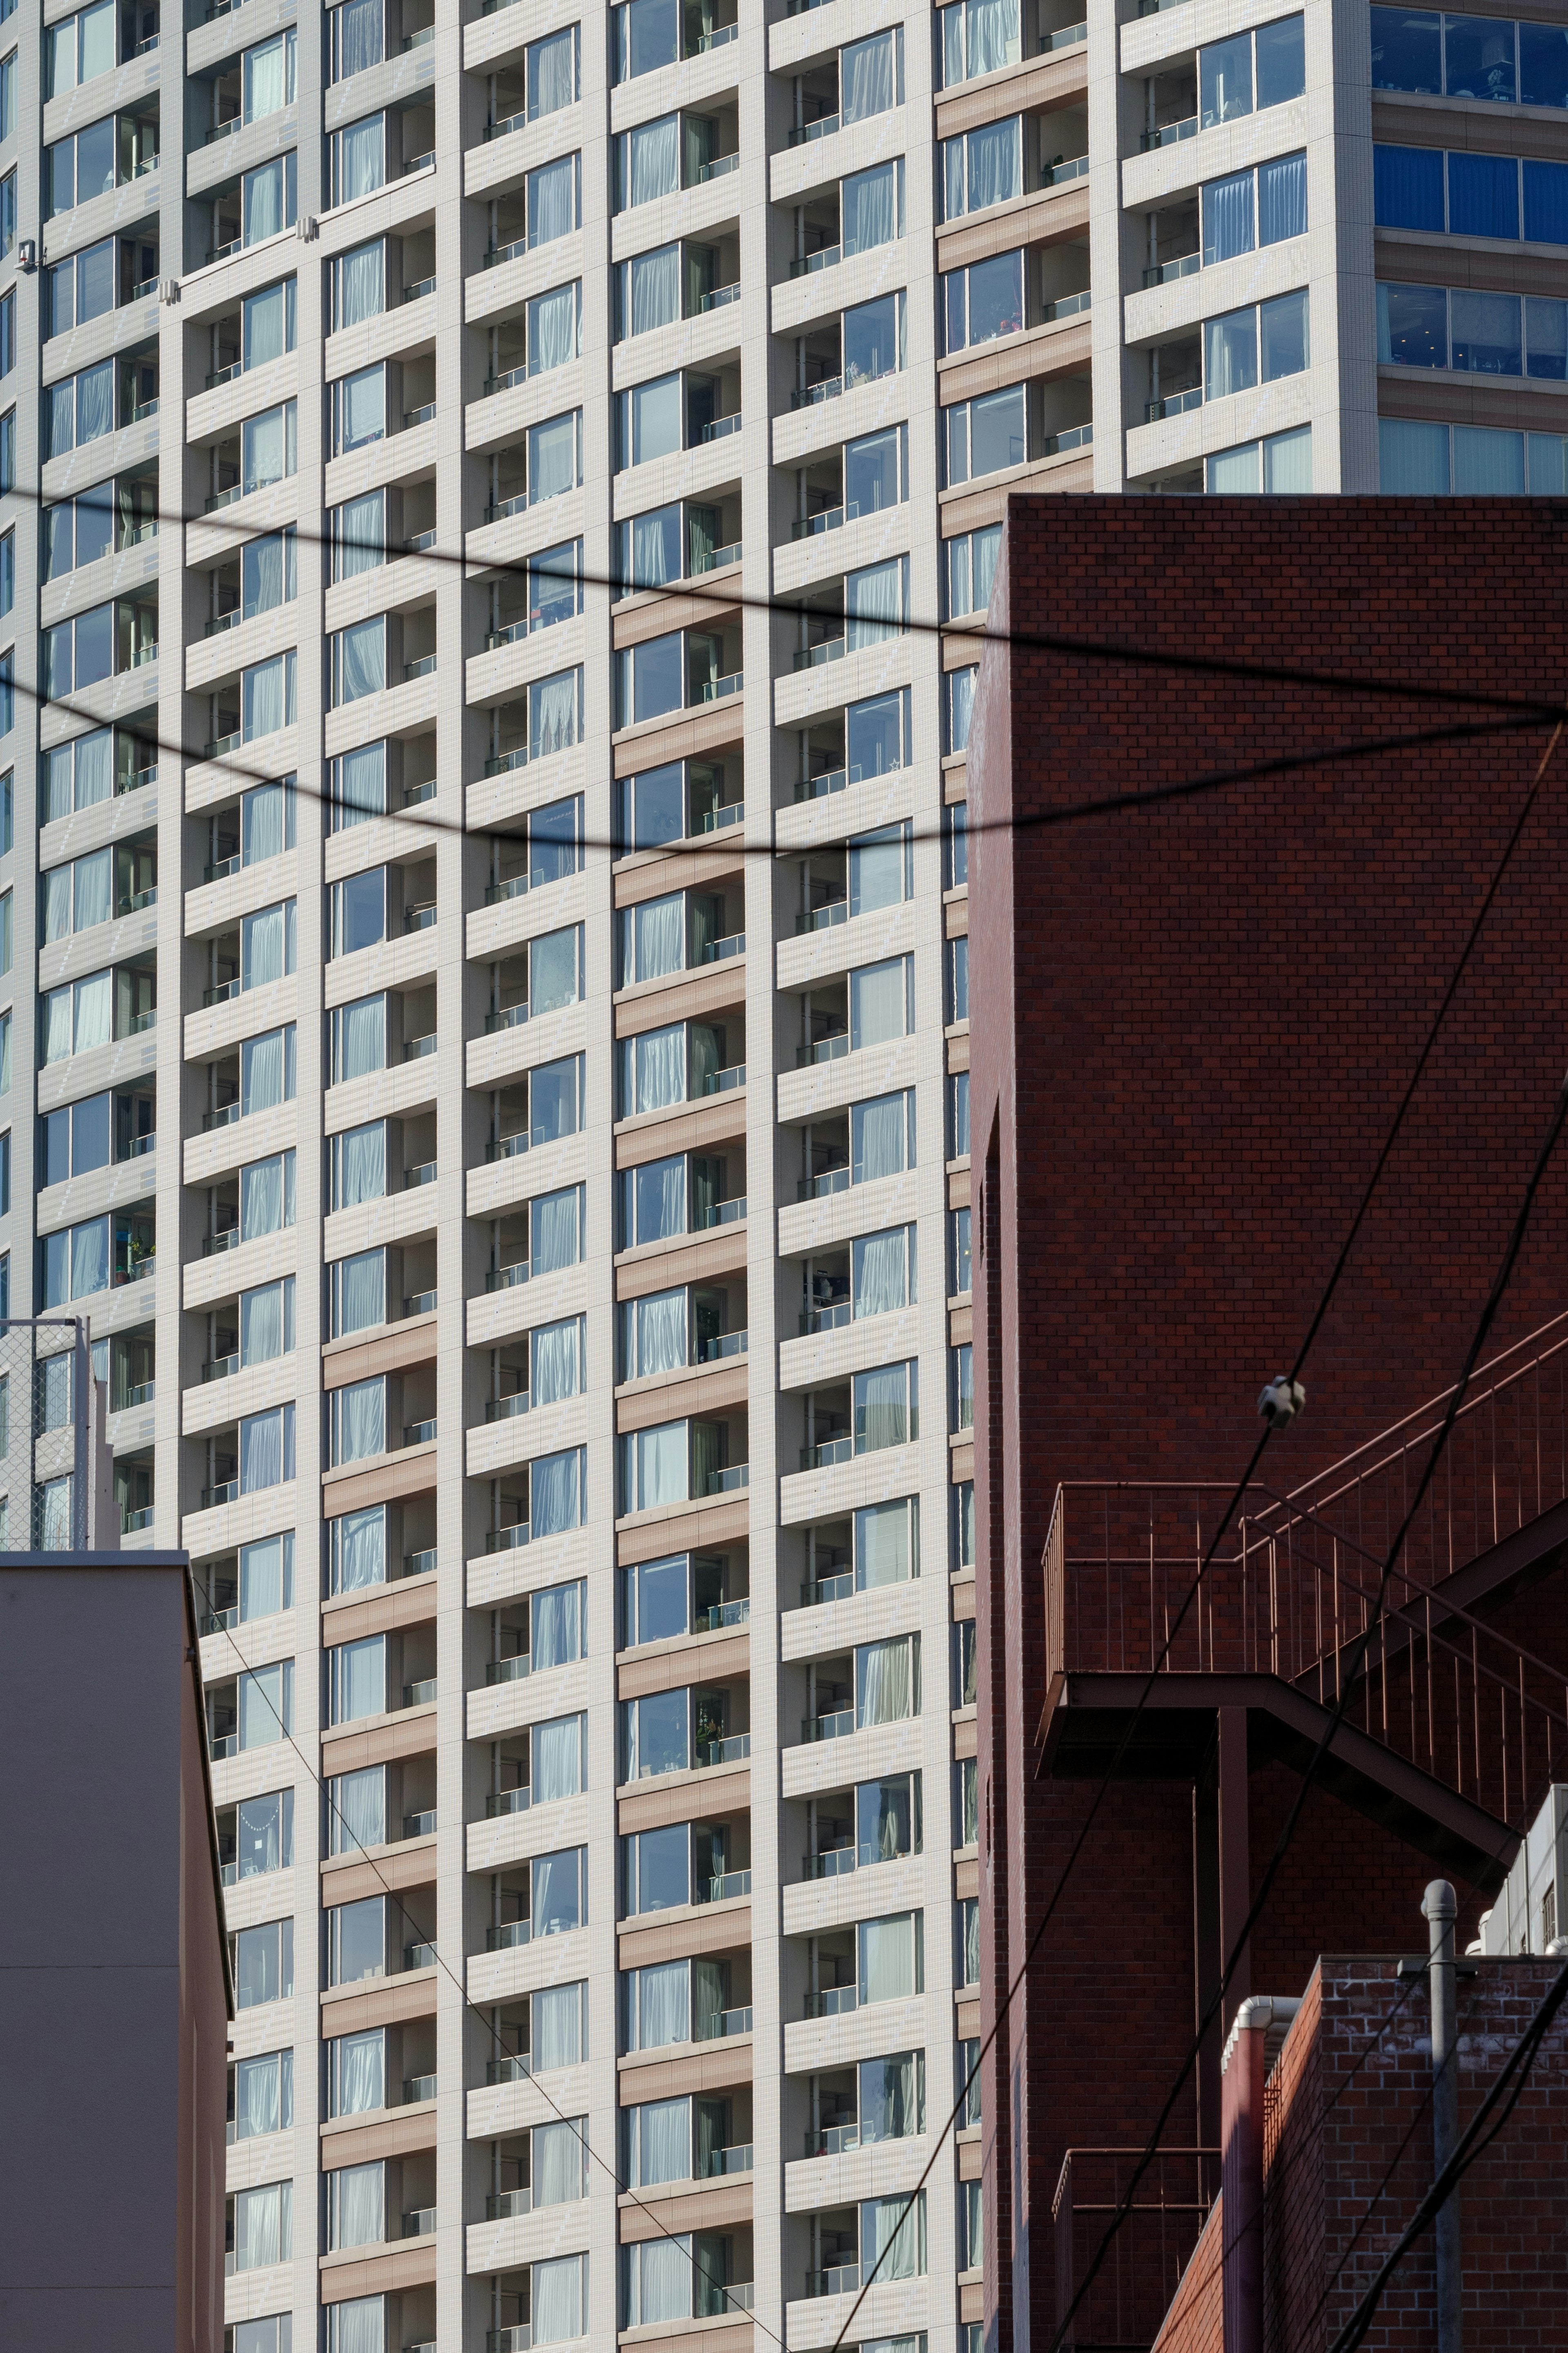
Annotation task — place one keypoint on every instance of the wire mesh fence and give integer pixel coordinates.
(54, 1452)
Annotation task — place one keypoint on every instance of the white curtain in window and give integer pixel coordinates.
(263, 201)
(881, 1408)
(881, 1271)
(882, 1544)
(557, 1361)
(263, 823)
(655, 289)
(556, 1626)
(664, 2004)
(661, 1460)
(887, 1958)
(266, 323)
(660, 933)
(359, 1679)
(263, 1320)
(261, 2096)
(362, 1292)
(361, 1419)
(1288, 462)
(556, 1892)
(90, 1257)
(362, 659)
(992, 27)
(557, 2027)
(996, 162)
(889, 2103)
(552, 459)
(266, 1070)
(361, 157)
(361, 785)
(870, 201)
(660, 2281)
(263, 1705)
(359, 36)
(266, 1448)
(552, 713)
(266, 699)
(262, 1591)
(557, 2163)
(57, 1025)
(362, 2073)
(361, 1549)
(558, 2300)
(94, 411)
(877, 1003)
(866, 77)
(261, 2226)
(94, 890)
(660, 1067)
(877, 873)
(660, 1333)
(57, 902)
(552, 330)
(884, 1688)
(267, 78)
(362, 407)
(551, 77)
(653, 160)
(891, 2237)
(874, 603)
(362, 282)
(554, 1493)
(557, 1759)
(57, 1514)
(552, 201)
(362, 535)
(362, 1038)
(663, 2142)
(879, 1135)
(359, 2204)
(358, 1816)
(264, 946)
(356, 2325)
(94, 1012)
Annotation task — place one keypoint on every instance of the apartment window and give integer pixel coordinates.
(266, 1568)
(883, 1275)
(1251, 346)
(266, 1450)
(357, 1550)
(81, 167)
(274, 2334)
(8, 451)
(262, 2091)
(958, 979)
(872, 207)
(358, 531)
(646, 35)
(356, 1818)
(881, 1002)
(886, 1407)
(266, 1071)
(357, 1670)
(554, 1092)
(988, 434)
(8, 89)
(976, 37)
(558, 1493)
(551, 73)
(971, 2227)
(961, 1387)
(356, 2206)
(266, 821)
(1281, 463)
(1478, 333)
(7, 814)
(358, 661)
(960, 1274)
(358, 37)
(76, 412)
(356, 1297)
(672, 2002)
(1469, 460)
(552, 200)
(957, 846)
(968, 1912)
(1470, 194)
(358, 912)
(1252, 69)
(983, 167)
(268, 447)
(357, 786)
(358, 1039)
(268, 199)
(260, 2227)
(267, 696)
(88, 286)
(984, 302)
(969, 568)
(7, 190)
(269, 323)
(873, 338)
(554, 456)
(958, 706)
(268, 574)
(97, 644)
(266, 1323)
(5, 1066)
(356, 2073)
(263, 1836)
(269, 71)
(79, 50)
(1468, 57)
(8, 331)
(359, 159)
(264, 1964)
(1253, 208)
(359, 280)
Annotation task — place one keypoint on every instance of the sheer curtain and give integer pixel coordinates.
(877, 1004)
(663, 2142)
(263, 1586)
(877, 873)
(664, 2004)
(892, 2234)
(264, 945)
(553, 1239)
(552, 330)
(267, 78)
(1282, 201)
(552, 459)
(264, 1321)
(361, 1419)
(362, 659)
(710, 1997)
(552, 201)
(1227, 217)
(361, 408)
(654, 549)
(879, 1138)
(361, 156)
(359, 1679)
(551, 77)
(661, 1460)
(362, 1034)
(362, 1163)
(556, 1630)
(263, 2095)
(870, 215)
(356, 2325)
(358, 1816)
(996, 162)
(263, 817)
(267, 697)
(706, 1057)
(361, 283)
(265, 1710)
(882, 1550)
(558, 2300)
(653, 160)
(887, 1958)
(90, 1257)
(94, 1012)
(883, 1682)
(866, 79)
(362, 2073)
(358, 2205)
(554, 1484)
(264, 202)
(660, 1065)
(557, 1361)
(362, 1292)
(262, 2232)
(556, 2025)
(993, 28)
(361, 785)
(660, 1333)
(659, 931)
(557, 1759)
(94, 404)
(360, 544)
(557, 2163)
(555, 1906)
(264, 1448)
(94, 890)
(553, 713)
(359, 30)
(881, 1271)
(888, 2107)
(874, 603)
(361, 1558)
(655, 289)
(660, 2281)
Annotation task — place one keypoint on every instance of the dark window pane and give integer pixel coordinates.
(94, 645)
(1485, 332)
(1543, 64)
(90, 1135)
(996, 297)
(1477, 57)
(1407, 50)
(1412, 326)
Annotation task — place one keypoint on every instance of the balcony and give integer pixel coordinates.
(719, 2161)
(838, 1725)
(833, 2001)
(840, 2280)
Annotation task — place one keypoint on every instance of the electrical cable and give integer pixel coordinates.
(577, 2124)
(1335, 1276)
(1358, 1656)
(1505, 2092)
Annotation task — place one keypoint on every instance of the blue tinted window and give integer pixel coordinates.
(1281, 199)
(1407, 187)
(1543, 64)
(1483, 195)
(1546, 339)
(1412, 326)
(1228, 217)
(1486, 332)
(1406, 50)
(1546, 203)
(1477, 57)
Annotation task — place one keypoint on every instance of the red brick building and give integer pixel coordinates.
(1191, 1025)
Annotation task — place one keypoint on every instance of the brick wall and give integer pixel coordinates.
(1191, 1027)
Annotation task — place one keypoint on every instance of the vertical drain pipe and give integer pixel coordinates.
(1440, 1906)
(1243, 2073)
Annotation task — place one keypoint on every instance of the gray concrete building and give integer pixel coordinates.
(492, 1065)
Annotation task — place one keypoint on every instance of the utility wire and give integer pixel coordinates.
(1484, 2127)
(578, 2124)
(1335, 1276)
(977, 632)
(1359, 1654)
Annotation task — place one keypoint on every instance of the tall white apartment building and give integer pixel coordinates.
(491, 1065)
